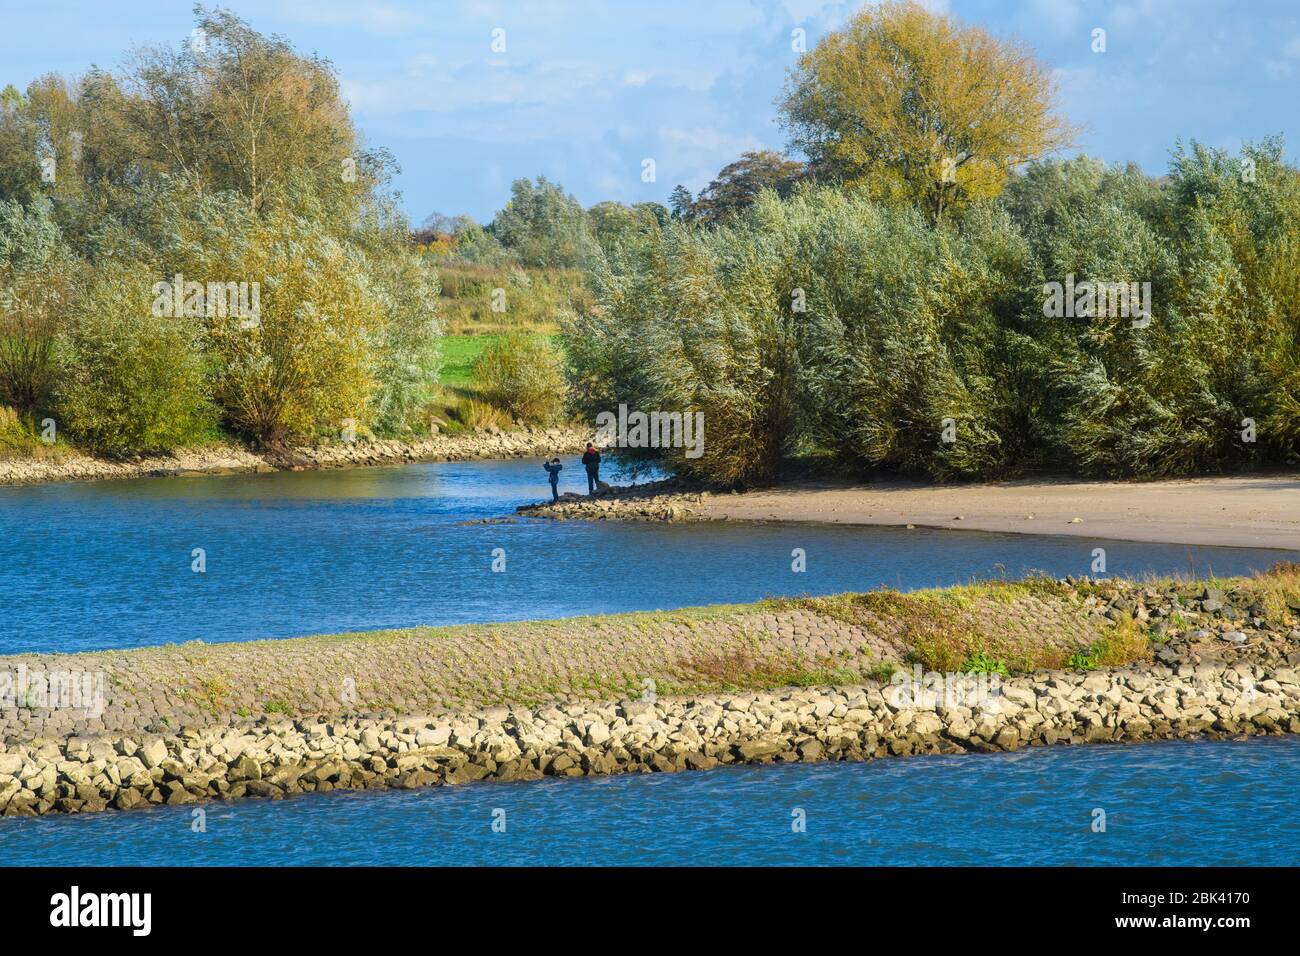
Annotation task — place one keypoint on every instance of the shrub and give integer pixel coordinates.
(16, 436)
(307, 367)
(407, 357)
(524, 376)
(36, 288)
(135, 381)
(825, 321)
(828, 323)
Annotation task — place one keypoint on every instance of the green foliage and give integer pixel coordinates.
(824, 319)
(1086, 660)
(1126, 643)
(36, 276)
(1217, 249)
(524, 376)
(831, 323)
(739, 184)
(159, 177)
(308, 366)
(135, 381)
(406, 348)
(883, 672)
(545, 226)
(534, 299)
(20, 438)
(616, 226)
(909, 105)
(981, 663)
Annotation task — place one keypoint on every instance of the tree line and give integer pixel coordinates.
(230, 161)
(895, 299)
(895, 302)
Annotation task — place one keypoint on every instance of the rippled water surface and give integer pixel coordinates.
(108, 564)
(1175, 803)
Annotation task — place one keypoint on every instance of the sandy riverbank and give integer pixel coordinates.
(1242, 511)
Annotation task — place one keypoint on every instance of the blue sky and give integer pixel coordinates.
(586, 90)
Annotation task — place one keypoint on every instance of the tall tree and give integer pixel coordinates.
(244, 111)
(680, 202)
(739, 183)
(910, 105)
(545, 226)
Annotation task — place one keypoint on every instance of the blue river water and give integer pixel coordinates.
(104, 565)
(1198, 803)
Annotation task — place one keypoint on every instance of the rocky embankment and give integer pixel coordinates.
(279, 758)
(234, 459)
(1093, 662)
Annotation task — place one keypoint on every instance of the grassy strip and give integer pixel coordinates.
(963, 629)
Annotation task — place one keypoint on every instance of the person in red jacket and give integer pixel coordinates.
(591, 460)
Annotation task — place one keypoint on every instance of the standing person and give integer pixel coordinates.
(553, 474)
(591, 459)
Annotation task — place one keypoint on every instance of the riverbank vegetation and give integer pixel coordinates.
(488, 311)
(895, 299)
(170, 274)
(892, 308)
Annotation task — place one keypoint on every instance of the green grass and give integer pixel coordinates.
(459, 405)
(459, 352)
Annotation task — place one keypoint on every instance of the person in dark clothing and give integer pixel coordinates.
(553, 473)
(591, 459)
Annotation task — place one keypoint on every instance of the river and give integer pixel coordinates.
(107, 565)
(1173, 803)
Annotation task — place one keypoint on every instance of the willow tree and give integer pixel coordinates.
(912, 106)
(238, 110)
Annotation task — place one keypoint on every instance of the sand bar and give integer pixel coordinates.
(1241, 511)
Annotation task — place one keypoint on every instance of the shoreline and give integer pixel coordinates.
(232, 459)
(1241, 511)
(1244, 511)
(784, 680)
